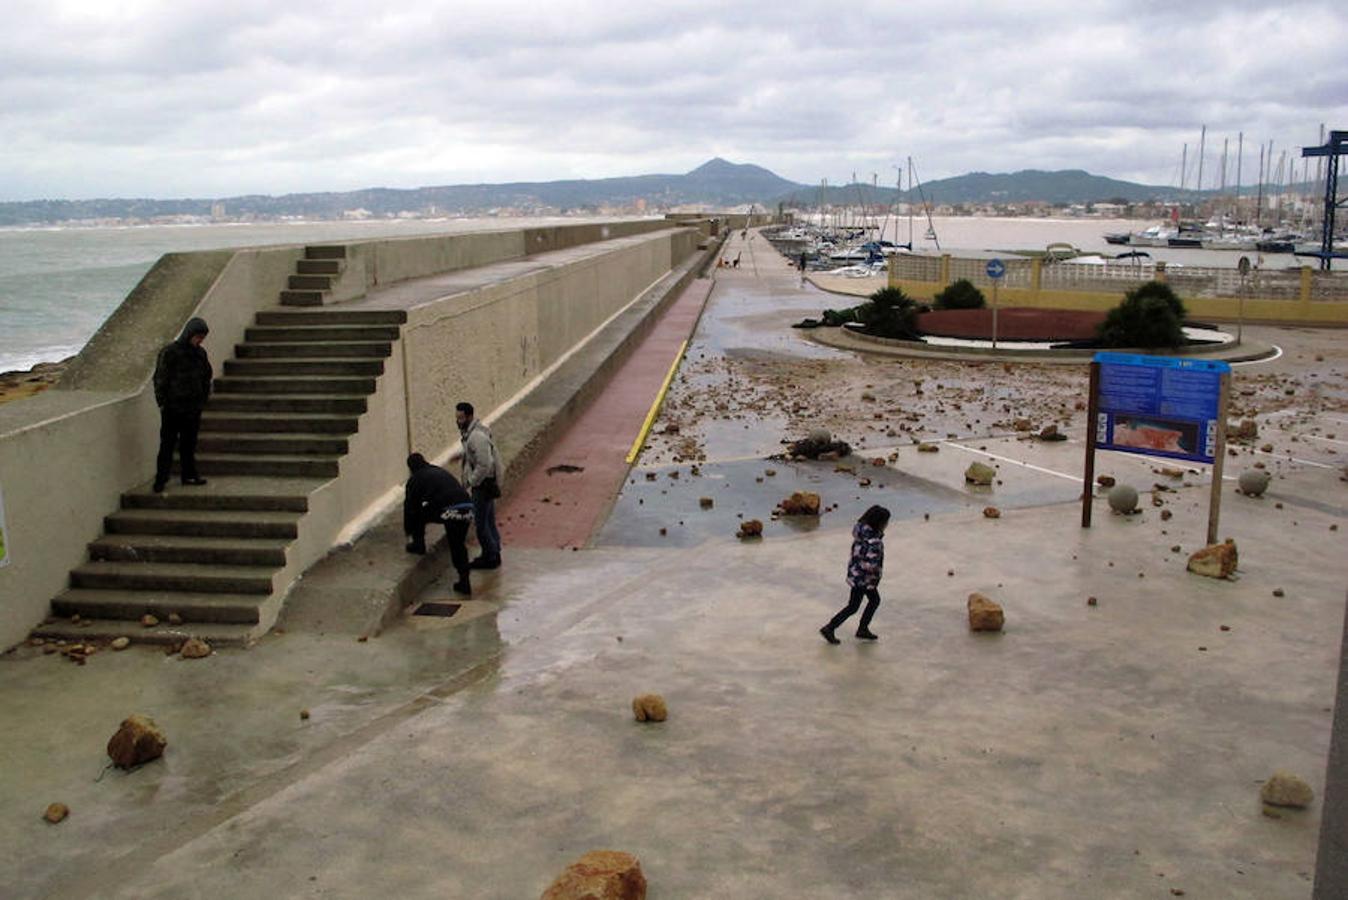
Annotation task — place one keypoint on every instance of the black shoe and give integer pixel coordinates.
(866, 635)
(484, 562)
(194, 481)
(463, 587)
(159, 486)
(418, 549)
(829, 635)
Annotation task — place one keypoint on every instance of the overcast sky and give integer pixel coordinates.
(204, 98)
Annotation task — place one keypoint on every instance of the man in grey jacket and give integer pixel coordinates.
(481, 474)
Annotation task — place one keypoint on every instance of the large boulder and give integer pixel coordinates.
(979, 473)
(1284, 789)
(1123, 499)
(600, 875)
(649, 708)
(137, 741)
(1254, 482)
(984, 614)
(801, 503)
(1215, 561)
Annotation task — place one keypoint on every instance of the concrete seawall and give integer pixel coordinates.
(67, 455)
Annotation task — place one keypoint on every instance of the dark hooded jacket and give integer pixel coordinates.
(182, 374)
(430, 491)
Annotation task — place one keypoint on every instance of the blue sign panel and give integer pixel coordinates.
(995, 269)
(1159, 406)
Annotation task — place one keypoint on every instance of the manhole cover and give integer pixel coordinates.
(443, 610)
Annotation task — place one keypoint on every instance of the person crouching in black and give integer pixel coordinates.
(182, 384)
(434, 495)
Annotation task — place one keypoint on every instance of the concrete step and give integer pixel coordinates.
(309, 282)
(290, 334)
(278, 423)
(280, 403)
(325, 251)
(217, 634)
(269, 495)
(305, 367)
(290, 444)
(186, 577)
(292, 350)
(292, 384)
(286, 466)
(170, 548)
(239, 609)
(303, 298)
(320, 266)
(333, 315)
(250, 523)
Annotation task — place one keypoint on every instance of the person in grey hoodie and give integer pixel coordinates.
(182, 384)
(481, 474)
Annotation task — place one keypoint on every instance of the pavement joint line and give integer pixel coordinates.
(1316, 437)
(1017, 462)
(1297, 459)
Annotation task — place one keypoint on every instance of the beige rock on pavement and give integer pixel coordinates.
(120, 643)
(979, 473)
(750, 528)
(984, 614)
(801, 503)
(149, 621)
(56, 812)
(137, 741)
(1215, 561)
(650, 708)
(1285, 789)
(600, 875)
(991, 512)
(195, 648)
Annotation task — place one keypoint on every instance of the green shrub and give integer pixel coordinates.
(890, 313)
(1149, 316)
(960, 295)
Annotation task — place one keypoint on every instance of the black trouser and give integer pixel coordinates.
(853, 604)
(177, 428)
(456, 532)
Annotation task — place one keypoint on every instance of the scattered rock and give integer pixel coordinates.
(1267, 448)
(56, 812)
(664, 531)
(1157, 501)
(991, 512)
(120, 643)
(878, 462)
(1105, 481)
(1285, 789)
(1123, 499)
(1022, 425)
(175, 619)
(1247, 430)
(984, 614)
(979, 473)
(819, 445)
(1278, 592)
(1253, 483)
(1091, 601)
(1169, 472)
(706, 502)
(1166, 515)
(1215, 561)
(771, 473)
(1051, 433)
(650, 476)
(137, 741)
(600, 875)
(751, 528)
(801, 503)
(195, 648)
(149, 621)
(928, 448)
(304, 715)
(649, 708)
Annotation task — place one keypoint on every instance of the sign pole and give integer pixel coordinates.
(994, 314)
(1092, 412)
(995, 269)
(1218, 458)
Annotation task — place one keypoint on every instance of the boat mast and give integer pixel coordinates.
(1184, 169)
(1259, 199)
(1240, 157)
(926, 207)
(1202, 145)
(910, 203)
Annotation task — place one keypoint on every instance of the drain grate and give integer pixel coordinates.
(443, 610)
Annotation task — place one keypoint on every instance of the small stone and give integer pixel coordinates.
(75, 619)
(650, 476)
(928, 448)
(751, 528)
(1166, 515)
(120, 643)
(979, 473)
(175, 619)
(984, 614)
(1170, 472)
(138, 740)
(304, 715)
(991, 512)
(706, 502)
(664, 531)
(1267, 448)
(1215, 561)
(801, 503)
(1176, 548)
(56, 812)
(649, 708)
(149, 621)
(1105, 481)
(1278, 592)
(1285, 789)
(878, 462)
(195, 648)
(600, 875)
(771, 473)
(1157, 501)
(1091, 601)
(1224, 628)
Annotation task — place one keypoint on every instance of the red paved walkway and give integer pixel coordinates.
(563, 509)
(1013, 324)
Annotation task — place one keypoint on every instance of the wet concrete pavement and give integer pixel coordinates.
(1106, 751)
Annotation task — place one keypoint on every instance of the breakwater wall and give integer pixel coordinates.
(69, 454)
(1300, 296)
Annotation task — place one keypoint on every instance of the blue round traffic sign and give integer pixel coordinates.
(996, 268)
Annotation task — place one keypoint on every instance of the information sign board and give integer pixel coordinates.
(1159, 406)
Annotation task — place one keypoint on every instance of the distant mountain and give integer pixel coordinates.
(714, 184)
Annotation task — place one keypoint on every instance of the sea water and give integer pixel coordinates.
(58, 285)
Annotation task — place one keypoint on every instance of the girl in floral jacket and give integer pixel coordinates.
(863, 573)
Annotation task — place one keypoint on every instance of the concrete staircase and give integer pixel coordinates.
(315, 276)
(275, 429)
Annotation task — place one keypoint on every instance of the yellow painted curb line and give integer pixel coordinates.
(655, 407)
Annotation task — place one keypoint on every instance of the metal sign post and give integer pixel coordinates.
(995, 269)
(1244, 268)
(1158, 406)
